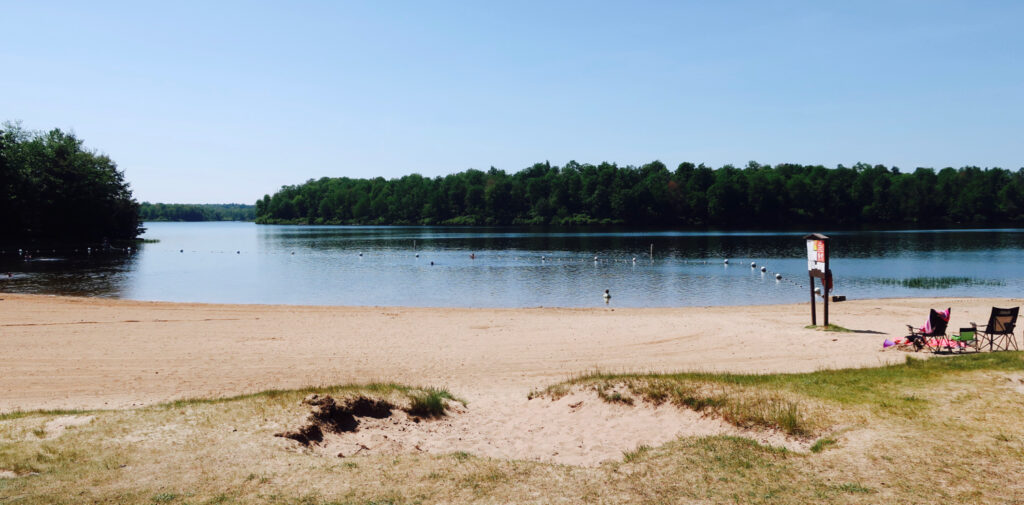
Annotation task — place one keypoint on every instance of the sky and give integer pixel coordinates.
(215, 102)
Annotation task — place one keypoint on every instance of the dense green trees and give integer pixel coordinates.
(196, 212)
(757, 196)
(53, 189)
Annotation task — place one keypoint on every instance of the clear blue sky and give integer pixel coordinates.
(226, 101)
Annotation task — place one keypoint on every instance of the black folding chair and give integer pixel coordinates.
(931, 339)
(999, 330)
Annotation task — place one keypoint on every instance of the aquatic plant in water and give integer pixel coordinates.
(938, 282)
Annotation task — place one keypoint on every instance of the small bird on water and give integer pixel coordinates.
(607, 296)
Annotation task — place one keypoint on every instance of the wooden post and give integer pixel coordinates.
(814, 315)
(652, 250)
(824, 290)
(826, 279)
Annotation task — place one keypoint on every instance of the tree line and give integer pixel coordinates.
(53, 189)
(197, 212)
(755, 196)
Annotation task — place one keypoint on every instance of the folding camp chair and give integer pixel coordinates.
(933, 334)
(966, 339)
(998, 333)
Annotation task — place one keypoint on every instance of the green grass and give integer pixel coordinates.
(431, 402)
(635, 454)
(937, 282)
(823, 443)
(848, 386)
(831, 327)
(427, 399)
(415, 395)
(18, 414)
(783, 401)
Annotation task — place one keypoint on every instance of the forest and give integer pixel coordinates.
(53, 189)
(692, 196)
(197, 212)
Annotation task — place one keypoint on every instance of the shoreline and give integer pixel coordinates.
(596, 307)
(81, 352)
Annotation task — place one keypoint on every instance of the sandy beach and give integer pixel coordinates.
(64, 352)
(115, 358)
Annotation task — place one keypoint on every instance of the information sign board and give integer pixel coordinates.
(816, 256)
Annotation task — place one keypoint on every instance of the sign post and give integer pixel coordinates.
(817, 266)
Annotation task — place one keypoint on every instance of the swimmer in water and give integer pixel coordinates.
(607, 296)
(472, 256)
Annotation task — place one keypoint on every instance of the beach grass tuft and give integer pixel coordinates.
(822, 443)
(635, 454)
(431, 402)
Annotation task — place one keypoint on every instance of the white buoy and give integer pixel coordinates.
(764, 269)
(817, 291)
(360, 255)
(726, 261)
(634, 259)
(595, 258)
(753, 265)
(778, 277)
(417, 255)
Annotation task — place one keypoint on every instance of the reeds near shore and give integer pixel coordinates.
(937, 282)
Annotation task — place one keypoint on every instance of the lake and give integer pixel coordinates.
(517, 267)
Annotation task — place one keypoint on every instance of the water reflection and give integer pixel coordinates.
(67, 272)
(515, 267)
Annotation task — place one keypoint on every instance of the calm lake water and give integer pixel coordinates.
(246, 263)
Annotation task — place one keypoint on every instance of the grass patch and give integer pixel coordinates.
(855, 488)
(377, 389)
(830, 327)
(164, 497)
(431, 402)
(822, 443)
(18, 414)
(937, 282)
(960, 414)
(797, 404)
(635, 454)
